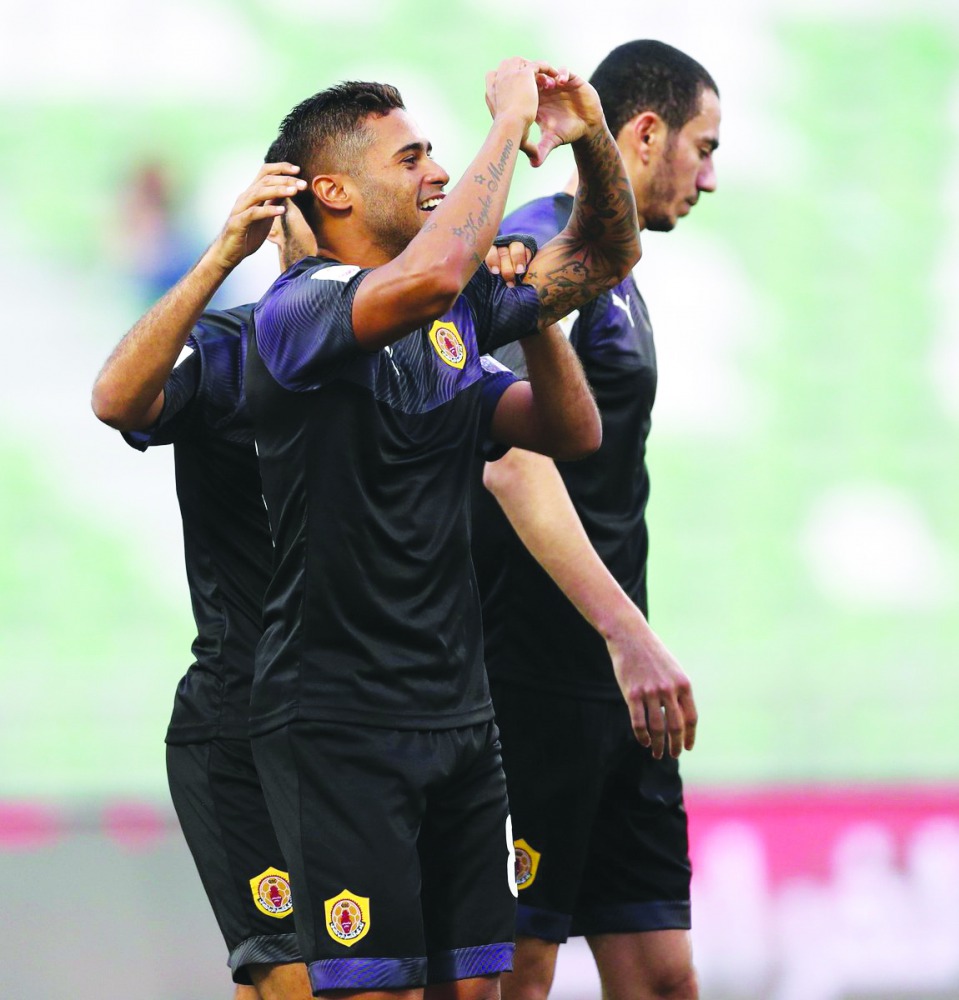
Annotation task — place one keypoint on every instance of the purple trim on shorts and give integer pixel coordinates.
(468, 963)
(544, 924)
(263, 949)
(367, 973)
(630, 918)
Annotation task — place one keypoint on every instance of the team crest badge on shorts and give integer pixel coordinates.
(271, 893)
(527, 864)
(448, 343)
(347, 917)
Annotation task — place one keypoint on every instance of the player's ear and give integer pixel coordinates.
(647, 135)
(333, 191)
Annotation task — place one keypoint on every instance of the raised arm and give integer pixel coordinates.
(600, 244)
(128, 392)
(658, 693)
(424, 280)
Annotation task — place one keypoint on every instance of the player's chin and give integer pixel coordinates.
(661, 223)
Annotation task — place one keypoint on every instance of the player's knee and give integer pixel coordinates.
(675, 984)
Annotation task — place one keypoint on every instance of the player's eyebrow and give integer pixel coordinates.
(415, 147)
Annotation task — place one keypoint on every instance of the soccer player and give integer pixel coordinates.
(371, 718)
(146, 390)
(149, 390)
(598, 813)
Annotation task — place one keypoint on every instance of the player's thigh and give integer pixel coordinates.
(465, 849)
(637, 878)
(226, 823)
(554, 752)
(654, 965)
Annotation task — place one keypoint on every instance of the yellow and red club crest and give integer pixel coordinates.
(271, 893)
(527, 864)
(448, 343)
(347, 917)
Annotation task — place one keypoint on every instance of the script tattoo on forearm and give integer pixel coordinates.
(600, 243)
(469, 231)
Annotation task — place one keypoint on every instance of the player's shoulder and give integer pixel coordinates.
(313, 273)
(542, 217)
(218, 324)
(310, 282)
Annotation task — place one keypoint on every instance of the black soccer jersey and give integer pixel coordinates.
(225, 528)
(372, 615)
(533, 634)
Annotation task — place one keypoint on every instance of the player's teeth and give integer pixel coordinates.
(431, 203)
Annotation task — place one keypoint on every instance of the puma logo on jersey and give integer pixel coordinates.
(624, 305)
(389, 354)
(183, 355)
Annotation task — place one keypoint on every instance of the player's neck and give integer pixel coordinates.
(352, 246)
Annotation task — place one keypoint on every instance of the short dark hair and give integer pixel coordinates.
(647, 75)
(325, 132)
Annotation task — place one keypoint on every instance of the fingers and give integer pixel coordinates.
(510, 262)
(270, 186)
(656, 727)
(675, 725)
(528, 147)
(688, 706)
(547, 143)
(670, 721)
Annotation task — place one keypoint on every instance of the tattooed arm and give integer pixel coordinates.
(424, 280)
(600, 244)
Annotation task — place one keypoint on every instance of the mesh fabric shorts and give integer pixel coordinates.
(399, 850)
(600, 825)
(218, 799)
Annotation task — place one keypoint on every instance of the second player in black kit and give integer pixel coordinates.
(598, 813)
(228, 556)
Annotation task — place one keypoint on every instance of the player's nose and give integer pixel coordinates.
(706, 178)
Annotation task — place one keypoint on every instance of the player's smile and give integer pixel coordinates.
(428, 204)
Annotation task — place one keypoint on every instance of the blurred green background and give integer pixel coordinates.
(804, 537)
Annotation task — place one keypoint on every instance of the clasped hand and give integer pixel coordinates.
(563, 105)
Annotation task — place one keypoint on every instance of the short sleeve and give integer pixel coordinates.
(304, 325)
(503, 314)
(180, 393)
(497, 378)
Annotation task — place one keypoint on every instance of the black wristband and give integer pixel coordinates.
(528, 241)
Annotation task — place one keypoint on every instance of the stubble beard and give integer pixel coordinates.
(661, 194)
(385, 221)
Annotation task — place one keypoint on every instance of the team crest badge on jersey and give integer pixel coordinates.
(271, 893)
(347, 917)
(448, 343)
(527, 864)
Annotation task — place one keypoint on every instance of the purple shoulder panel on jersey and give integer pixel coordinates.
(304, 323)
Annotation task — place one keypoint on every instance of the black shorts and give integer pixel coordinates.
(600, 825)
(217, 796)
(399, 851)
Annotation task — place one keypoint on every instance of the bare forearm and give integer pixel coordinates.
(533, 497)
(461, 230)
(128, 386)
(601, 242)
(566, 418)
